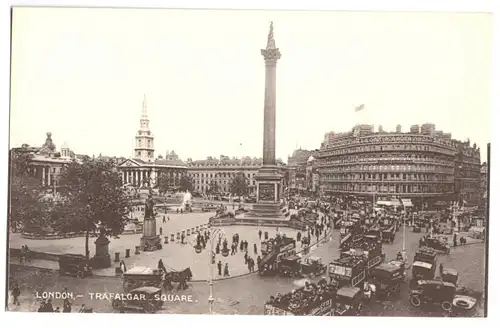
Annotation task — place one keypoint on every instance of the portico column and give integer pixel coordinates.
(43, 175)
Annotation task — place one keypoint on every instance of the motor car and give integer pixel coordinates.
(433, 292)
(290, 266)
(437, 244)
(74, 265)
(313, 266)
(147, 299)
(348, 301)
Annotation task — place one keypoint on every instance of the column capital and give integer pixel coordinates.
(271, 56)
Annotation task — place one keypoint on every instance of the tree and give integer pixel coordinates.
(185, 183)
(213, 187)
(94, 199)
(239, 185)
(163, 182)
(25, 199)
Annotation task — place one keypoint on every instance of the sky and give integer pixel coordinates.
(82, 75)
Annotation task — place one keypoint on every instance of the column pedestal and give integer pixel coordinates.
(268, 183)
(101, 259)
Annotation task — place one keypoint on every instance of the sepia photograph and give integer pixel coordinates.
(249, 162)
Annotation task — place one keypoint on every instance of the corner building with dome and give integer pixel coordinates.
(424, 164)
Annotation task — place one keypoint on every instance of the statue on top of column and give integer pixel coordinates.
(149, 208)
(270, 38)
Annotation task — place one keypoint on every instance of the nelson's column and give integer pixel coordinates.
(268, 178)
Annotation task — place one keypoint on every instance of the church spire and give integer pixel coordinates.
(144, 108)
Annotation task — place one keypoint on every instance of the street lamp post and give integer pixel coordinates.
(214, 232)
(403, 253)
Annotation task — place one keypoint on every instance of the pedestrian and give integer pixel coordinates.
(242, 245)
(41, 308)
(161, 266)
(255, 248)
(161, 231)
(48, 306)
(226, 270)
(441, 269)
(66, 306)
(219, 268)
(260, 234)
(455, 240)
(245, 244)
(182, 238)
(168, 218)
(15, 294)
(246, 257)
(164, 221)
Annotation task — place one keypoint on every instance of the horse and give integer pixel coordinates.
(180, 276)
(369, 290)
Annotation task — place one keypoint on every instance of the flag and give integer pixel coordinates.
(360, 107)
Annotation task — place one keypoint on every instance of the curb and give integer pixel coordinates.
(191, 281)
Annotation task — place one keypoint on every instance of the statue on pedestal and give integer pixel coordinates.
(102, 259)
(150, 241)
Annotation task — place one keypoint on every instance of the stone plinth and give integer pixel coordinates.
(268, 205)
(150, 241)
(101, 259)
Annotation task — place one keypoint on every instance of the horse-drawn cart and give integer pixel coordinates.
(142, 277)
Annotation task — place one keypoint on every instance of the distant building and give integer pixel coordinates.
(484, 181)
(222, 170)
(46, 162)
(297, 165)
(312, 175)
(143, 169)
(423, 164)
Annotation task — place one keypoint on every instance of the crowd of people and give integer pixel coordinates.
(302, 300)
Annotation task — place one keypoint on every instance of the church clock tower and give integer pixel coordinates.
(144, 139)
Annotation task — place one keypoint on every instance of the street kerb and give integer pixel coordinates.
(192, 281)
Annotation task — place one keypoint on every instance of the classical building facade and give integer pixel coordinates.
(221, 171)
(46, 162)
(144, 169)
(422, 164)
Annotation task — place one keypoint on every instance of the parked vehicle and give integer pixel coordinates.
(435, 292)
(349, 301)
(147, 299)
(74, 265)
